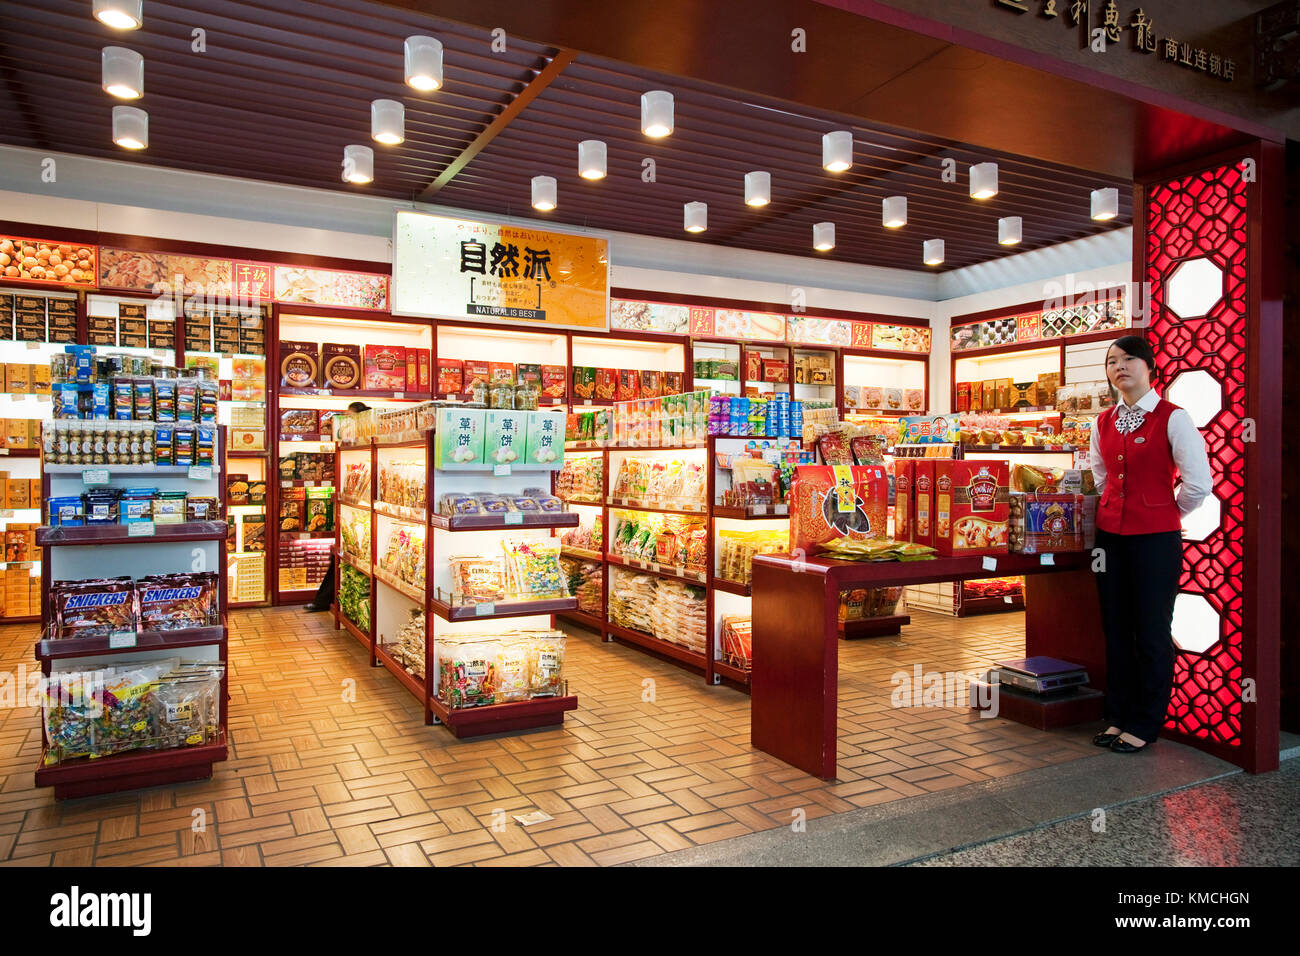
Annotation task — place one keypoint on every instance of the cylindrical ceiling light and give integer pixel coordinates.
(837, 151)
(387, 122)
(983, 180)
(545, 192)
(591, 159)
(893, 212)
(358, 164)
(130, 127)
(1009, 230)
(657, 113)
(933, 252)
(824, 236)
(697, 216)
(758, 188)
(423, 63)
(119, 14)
(1105, 203)
(122, 72)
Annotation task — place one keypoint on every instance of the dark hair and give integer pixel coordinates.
(1138, 347)
(358, 407)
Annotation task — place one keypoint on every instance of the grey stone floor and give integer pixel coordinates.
(1174, 806)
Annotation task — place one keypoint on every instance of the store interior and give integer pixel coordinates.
(571, 510)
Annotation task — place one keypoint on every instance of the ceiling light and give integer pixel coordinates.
(933, 254)
(591, 159)
(387, 122)
(1009, 231)
(824, 236)
(119, 14)
(697, 216)
(123, 72)
(657, 113)
(893, 212)
(837, 151)
(358, 164)
(758, 188)
(983, 180)
(545, 191)
(130, 127)
(423, 63)
(1105, 203)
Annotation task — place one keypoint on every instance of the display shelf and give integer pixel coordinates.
(1022, 449)
(183, 470)
(874, 626)
(566, 519)
(990, 605)
(731, 587)
(304, 535)
(351, 503)
(133, 770)
(633, 448)
(302, 483)
(95, 534)
(591, 621)
(635, 504)
(503, 718)
(21, 452)
(398, 585)
(346, 623)
(752, 512)
(731, 672)
(581, 554)
(671, 572)
(397, 443)
(581, 500)
(400, 513)
(21, 619)
(63, 648)
(360, 565)
(408, 680)
(584, 446)
(676, 651)
(498, 609)
(247, 454)
(286, 390)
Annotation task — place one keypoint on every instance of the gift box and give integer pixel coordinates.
(904, 472)
(971, 507)
(923, 498)
(828, 502)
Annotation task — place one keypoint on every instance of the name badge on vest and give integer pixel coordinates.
(1138, 441)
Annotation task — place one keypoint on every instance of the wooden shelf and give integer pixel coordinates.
(62, 648)
(990, 605)
(400, 586)
(751, 512)
(412, 683)
(731, 587)
(305, 483)
(581, 554)
(132, 770)
(355, 393)
(20, 452)
(582, 500)
(731, 672)
(676, 651)
(500, 609)
(51, 469)
(586, 620)
(362, 638)
(874, 626)
(21, 619)
(305, 535)
(362, 505)
(563, 519)
(502, 718)
(355, 562)
(669, 571)
(655, 447)
(635, 504)
(400, 512)
(247, 454)
(584, 446)
(1023, 449)
(94, 534)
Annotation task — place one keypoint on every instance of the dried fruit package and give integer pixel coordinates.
(840, 501)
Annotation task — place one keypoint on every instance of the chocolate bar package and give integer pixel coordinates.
(94, 608)
(171, 602)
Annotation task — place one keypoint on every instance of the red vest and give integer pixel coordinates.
(1140, 474)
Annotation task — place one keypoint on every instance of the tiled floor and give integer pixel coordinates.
(316, 780)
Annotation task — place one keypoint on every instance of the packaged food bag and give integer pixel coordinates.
(828, 502)
(545, 440)
(460, 434)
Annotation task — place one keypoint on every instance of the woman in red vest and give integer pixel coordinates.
(1137, 449)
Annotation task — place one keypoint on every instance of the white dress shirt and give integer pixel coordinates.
(1186, 444)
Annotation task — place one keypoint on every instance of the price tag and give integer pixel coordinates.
(120, 639)
(514, 518)
(1008, 599)
(1047, 559)
(484, 610)
(94, 476)
(586, 401)
(990, 564)
(4, 451)
(760, 509)
(7, 513)
(33, 346)
(201, 472)
(399, 395)
(140, 529)
(501, 470)
(43, 397)
(653, 566)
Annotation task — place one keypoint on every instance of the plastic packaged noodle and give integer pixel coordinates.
(512, 670)
(546, 664)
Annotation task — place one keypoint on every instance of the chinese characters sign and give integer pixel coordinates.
(454, 268)
(1103, 25)
(1084, 316)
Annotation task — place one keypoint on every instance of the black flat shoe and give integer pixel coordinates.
(1124, 747)
(1104, 740)
(313, 610)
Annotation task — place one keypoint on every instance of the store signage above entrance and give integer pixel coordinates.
(1107, 28)
(483, 272)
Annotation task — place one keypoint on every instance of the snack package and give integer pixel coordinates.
(505, 437)
(651, 385)
(475, 579)
(841, 501)
(512, 670)
(532, 569)
(299, 364)
(607, 380)
(584, 382)
(460, 434)
(904, 502)
(546, 664)
(467, 671)
(970, 511)
(554, 381)
(176, 601)
(501, 373)
(1045, 523)
(385, 368)
(341, 366)
(94, 608)
(673, 383)
(545, 439)
(923, 503)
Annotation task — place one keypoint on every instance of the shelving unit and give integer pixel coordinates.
(81, 552)
(392, 599)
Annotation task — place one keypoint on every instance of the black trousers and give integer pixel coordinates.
(1137, 591)
(325, 593)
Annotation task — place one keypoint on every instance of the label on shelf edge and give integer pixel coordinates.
(200, 472)
(399, 395)
(990, 564)
(515, 517)
(33, 346)
(760, 509)
(94, 476)
(121, 639)
(1008, 599)
(586, 401)
(139, 529)
(1047, 559)
(484, 610)
(7, 513)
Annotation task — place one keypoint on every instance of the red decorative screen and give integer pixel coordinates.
(1204, 216)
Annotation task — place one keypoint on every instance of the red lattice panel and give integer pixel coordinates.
(1204, 215)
